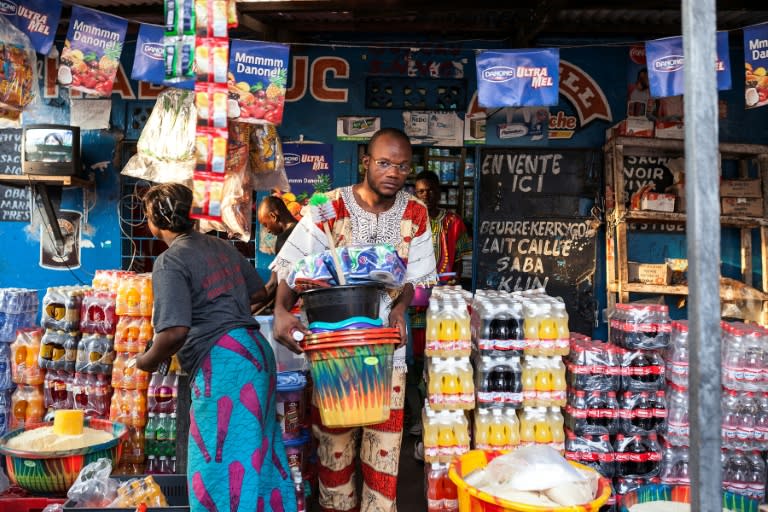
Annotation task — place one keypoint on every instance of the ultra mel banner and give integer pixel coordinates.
(518, 78)
(92, 51)
(666, 65)
(36, 18)
(257, 78)
(148, 61)
(755, 65)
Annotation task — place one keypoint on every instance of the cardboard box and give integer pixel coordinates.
(631, 127)
(355, 126)
(742, 206)
(657, 202)
(669, 130)
(477, 127)
(741, 188)
(649, 273)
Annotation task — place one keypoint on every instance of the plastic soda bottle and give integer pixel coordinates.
(435, 499)
(556, 426)
(542, 426)
(498, 433)
(527, 427)
(547, 330)
(146, 300)
(450, 495)
(513, 426)
(482, 429)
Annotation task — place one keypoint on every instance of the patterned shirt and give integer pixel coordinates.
(404, 225)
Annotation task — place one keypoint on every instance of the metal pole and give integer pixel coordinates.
(702, 193)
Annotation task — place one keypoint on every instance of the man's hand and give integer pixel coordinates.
(397, 320)
(284, 327)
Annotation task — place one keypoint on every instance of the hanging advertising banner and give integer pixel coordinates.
(666, 64)
(91, 53)
(309, 169)
(36, 18)
(755, 65)
(148, 60)
(257, 77)
(518, 78)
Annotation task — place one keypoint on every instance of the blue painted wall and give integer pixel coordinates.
(316, 120)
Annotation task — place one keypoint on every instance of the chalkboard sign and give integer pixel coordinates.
(15, 203)
(531, 228)
(10, 152)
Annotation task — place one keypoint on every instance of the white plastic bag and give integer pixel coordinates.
(93, 487)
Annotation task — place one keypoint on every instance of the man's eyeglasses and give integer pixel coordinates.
(385, 165)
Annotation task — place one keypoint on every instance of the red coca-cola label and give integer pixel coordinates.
(576, 413)
(644, 370)
(637, 54)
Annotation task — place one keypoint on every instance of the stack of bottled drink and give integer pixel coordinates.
(61, 319)
(450, 391)
(520, 339)
(160, 432)
(18, 311)
(133, 308)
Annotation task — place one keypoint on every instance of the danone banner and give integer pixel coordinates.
(148, 61)
(36, 18)
(92, 51)
(309, 170)
(257, 78)
(518, 78)
(666, 63)
(755, 65)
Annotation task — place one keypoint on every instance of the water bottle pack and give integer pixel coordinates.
(6, 380)
(677, 432)
(6, 411)
(450, 384)
(592, 413)
(593, 365)
(496, 429)
(498, 380)
(446, 434)
(744, 473)
(95, 354)
(448, 326)
(544, 383)
(674, 465)
(109, 280)
(637, 455)
(593, 450)
(640, 326)
(744, 420)
(18, 309)
(744, 357)
(25, 351)
(676, 355)
(642, 412)
(97, 314)
(58, 350)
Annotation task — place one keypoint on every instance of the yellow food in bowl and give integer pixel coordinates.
(44, 439)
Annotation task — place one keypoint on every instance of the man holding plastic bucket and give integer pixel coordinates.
(374, 211)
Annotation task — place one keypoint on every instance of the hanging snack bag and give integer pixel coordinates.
(179, 40)
(212, 18)
(211, 149)
(212, 57)
(207, 193)
(18, 70)
(211, 102)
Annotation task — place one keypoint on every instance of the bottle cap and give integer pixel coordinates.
(297, 335)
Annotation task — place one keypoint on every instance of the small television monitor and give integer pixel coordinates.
(50, 150)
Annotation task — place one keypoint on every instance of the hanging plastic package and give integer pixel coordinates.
(165, 152)
(266, 159)
(91, 54)
(18, 71)
(237, 199)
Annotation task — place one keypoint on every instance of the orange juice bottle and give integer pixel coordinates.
(430, 435)
(543, 429)
(146, 298)
(35, 407)
(467, 386)
(482, 429)
(547, 330)
(433, 328)
(19, 405)
(463, 329)
(559, 384)
(33, 374)
(434, 385)
(530, 322)
(563, 332)
(461, 431)
(118, 369)
(498, 438)
(543, 382)
(446, 441)
(451, 384)
(447, 332)
(132, 296)
(556, 427)
(528, 378)
(18, 358)
(527, 427)
(513, 427)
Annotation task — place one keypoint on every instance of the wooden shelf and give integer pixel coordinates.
(441, 158)
(669, 289)
(650, 217)
(726, 148)
(29, 179)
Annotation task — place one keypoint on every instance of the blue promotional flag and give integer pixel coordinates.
(36, 18)
(666, 63)
(755, 65)
(91, 54)
(148, 61)
(258, 73)
(518, 78)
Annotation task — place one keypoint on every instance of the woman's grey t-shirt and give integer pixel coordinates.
(203, 283)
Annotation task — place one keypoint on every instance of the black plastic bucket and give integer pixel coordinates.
(341, 302)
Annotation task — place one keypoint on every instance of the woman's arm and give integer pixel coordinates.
(164, 345)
